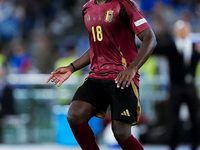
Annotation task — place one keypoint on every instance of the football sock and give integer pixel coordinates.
(84, 136)
(131, 143)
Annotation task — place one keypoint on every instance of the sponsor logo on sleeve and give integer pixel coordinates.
(140, 22)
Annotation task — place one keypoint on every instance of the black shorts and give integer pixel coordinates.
(124, 104)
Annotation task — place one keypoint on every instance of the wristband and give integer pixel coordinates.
(73, 67)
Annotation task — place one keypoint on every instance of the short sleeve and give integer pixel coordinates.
(137, 21)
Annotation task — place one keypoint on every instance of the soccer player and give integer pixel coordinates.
(114, 78)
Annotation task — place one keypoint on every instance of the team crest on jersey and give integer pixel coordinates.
(109, 16)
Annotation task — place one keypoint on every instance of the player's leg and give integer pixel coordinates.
(193, 105)
(175, 101)
(89, 100)
(125, 112)
(78, 116)
(79, 112)
(122, 133)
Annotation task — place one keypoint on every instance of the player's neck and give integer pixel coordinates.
(100, 2)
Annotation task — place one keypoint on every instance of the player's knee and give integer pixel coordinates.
(76, 117)
(73, 118)
(119, 135)
(80, 112)
(120, 130)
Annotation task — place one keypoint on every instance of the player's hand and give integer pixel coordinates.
(125, 77)
(60, 75)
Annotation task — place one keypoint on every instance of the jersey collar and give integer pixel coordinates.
(95, 1)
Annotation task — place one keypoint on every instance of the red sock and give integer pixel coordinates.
(131, 144)
(84, 136)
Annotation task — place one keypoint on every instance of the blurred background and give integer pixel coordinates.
(37, 36)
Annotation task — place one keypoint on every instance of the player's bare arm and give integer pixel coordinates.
(60, 75)
(148, 44)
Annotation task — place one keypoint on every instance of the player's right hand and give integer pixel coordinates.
(60, 75)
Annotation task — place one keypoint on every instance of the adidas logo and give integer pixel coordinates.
(125, 113)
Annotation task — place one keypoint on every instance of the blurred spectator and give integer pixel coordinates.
(42, 50)
(149, 69)
(164, 17)
(147, 5)
(2, 55)
(21, 60)
(2, 59)
(183, 57)
(8, 24)
(6, 8)
(6, 95)
(71, 55)
(6, 99)
(61, 23)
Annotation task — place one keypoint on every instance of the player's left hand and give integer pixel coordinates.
(125, 77)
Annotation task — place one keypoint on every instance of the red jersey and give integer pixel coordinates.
(112, 27)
